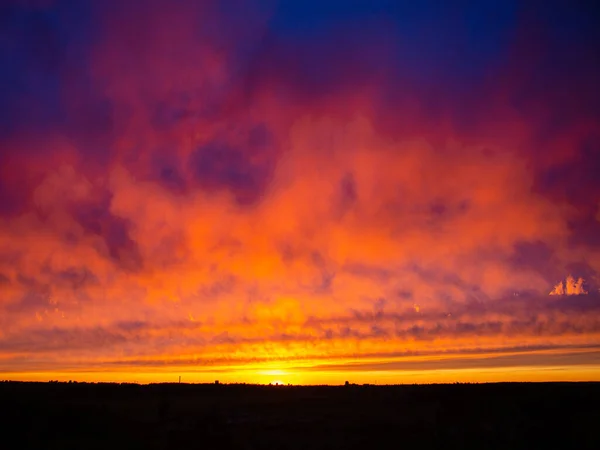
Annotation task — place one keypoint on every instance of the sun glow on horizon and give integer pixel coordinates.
(483, 375)
(538, 365)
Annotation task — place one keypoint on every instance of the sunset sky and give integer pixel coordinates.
(299, 191)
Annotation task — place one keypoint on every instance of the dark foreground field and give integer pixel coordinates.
(167, 416)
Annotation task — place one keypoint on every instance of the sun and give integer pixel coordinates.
(273, 377)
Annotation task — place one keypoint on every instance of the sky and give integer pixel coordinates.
(299, 191)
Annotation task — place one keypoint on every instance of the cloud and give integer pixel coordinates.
(178, 181)
(570, 287)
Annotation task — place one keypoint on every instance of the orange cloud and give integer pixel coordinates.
(216, 206)
(569, 287)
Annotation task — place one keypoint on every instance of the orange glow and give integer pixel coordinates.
(208, 206)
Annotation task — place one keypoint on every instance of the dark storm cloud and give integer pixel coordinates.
(96, 219)
(245, 169)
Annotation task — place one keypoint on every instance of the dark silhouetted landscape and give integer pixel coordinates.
(185, 416)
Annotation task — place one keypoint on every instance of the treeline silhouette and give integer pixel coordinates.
(70, 415)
